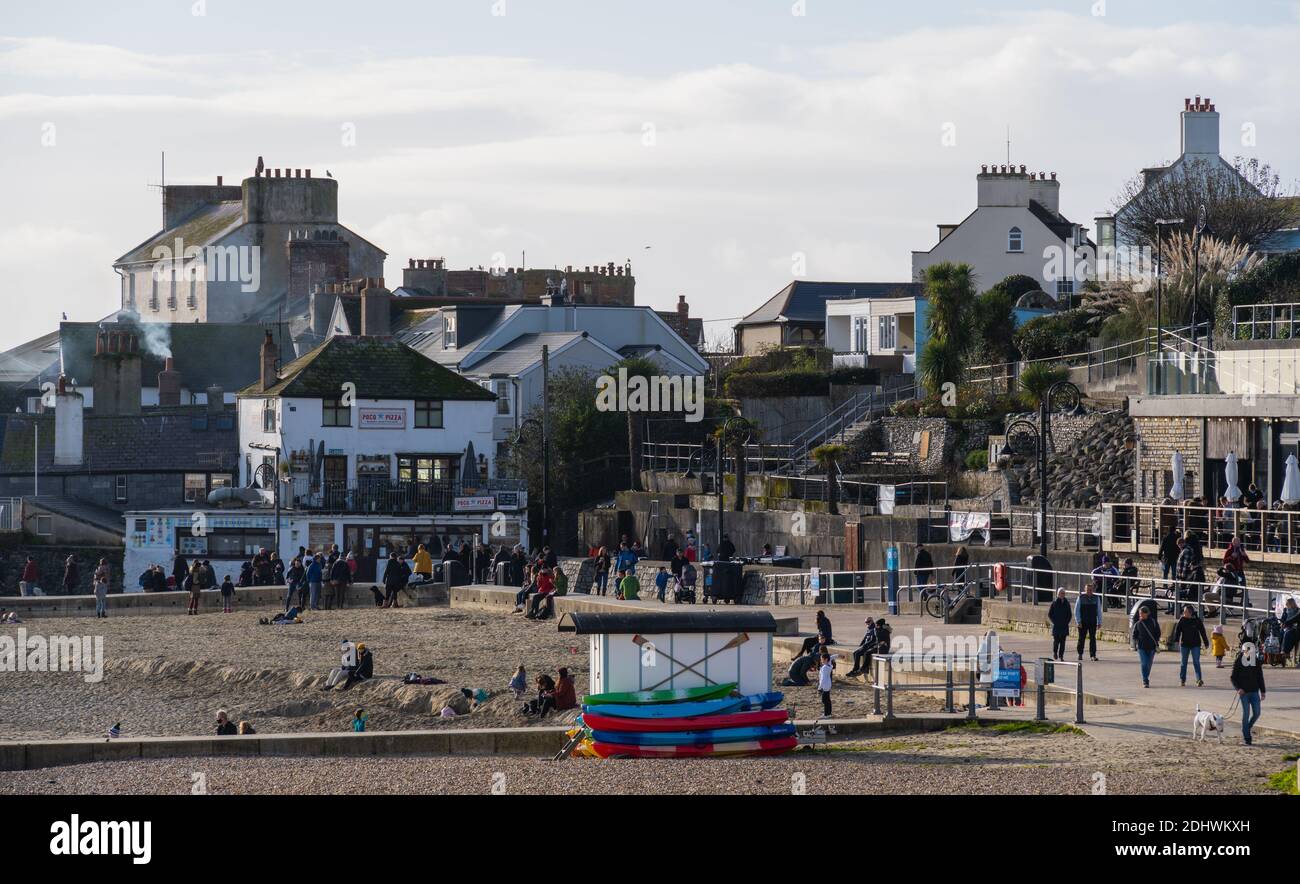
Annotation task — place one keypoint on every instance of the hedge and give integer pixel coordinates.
(759, 385)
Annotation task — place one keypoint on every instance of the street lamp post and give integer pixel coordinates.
(540, 423)
(1066, 397)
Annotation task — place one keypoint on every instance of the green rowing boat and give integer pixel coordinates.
(673, 695)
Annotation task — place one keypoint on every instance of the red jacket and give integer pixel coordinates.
(565, 695)
(31, 573)
(545, 584)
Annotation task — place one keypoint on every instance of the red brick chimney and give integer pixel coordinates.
(683, 315)
(169, 384)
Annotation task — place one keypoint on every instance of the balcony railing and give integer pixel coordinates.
(387, 497)
(1267, 535)
(1266, 322)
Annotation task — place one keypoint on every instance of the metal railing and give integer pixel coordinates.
(1272, 535)
(1066, 529)
(679, 457)
(871, 586)
(1221, 600)
(383, 496)
(11, 514)
(1265, 322)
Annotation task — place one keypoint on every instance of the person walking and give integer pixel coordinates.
(959, 562)
(923, 570)
(101, 588)
(396, 575)
(1060, 616)
(1189, 635)
(193, 584)
(339, 575)
(1146, 636)
(31, 575)
(1087, 616)
(71, 576)
(1248, 678)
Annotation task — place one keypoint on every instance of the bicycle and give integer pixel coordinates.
(939, 603)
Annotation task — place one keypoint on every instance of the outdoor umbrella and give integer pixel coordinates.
(1230, 473)
(1176, 492)
(1291, 483)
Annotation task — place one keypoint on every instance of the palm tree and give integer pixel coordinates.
(941, 363)
(828, 458)
(950, 291)
(1037, 379)
(739, 433)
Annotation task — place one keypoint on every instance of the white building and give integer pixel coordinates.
(1016, 228)
(370, 430)
(873, 332)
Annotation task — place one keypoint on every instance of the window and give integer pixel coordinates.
(423, 469)
(141, 526)
(119, 489)
(224, 421)
(44, 525)
(268, 416)
(503, 396)
(1015, 240)
(888, 332)
(428, 414)
(153, 292)
(449, 333)
(199, 422)
(1064, 290)
(224, 543)
(221, 480)
(861, 335)
(196, 487)
(335, 414)
(171, 290)
(192, 299)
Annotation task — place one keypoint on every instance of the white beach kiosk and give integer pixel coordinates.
(643, 652)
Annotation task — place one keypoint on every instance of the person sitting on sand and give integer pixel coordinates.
(566, 695)
(361, 670)
(519, 682)
(545, 697)
(225, 727)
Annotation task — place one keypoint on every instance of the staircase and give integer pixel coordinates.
(845, 422)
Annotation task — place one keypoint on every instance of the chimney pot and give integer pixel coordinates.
(218, 181)
(307, 173)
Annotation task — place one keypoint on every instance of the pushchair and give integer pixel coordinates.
(683, 594)
(1270, 641)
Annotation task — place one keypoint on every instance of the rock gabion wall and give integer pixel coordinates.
(1092, 461)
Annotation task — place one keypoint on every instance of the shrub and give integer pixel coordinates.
(1057, 334)
(1037, 379)
(978, 460)
(768, 384)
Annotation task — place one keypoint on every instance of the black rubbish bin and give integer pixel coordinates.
(724, 582)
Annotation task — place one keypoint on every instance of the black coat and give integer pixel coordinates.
(1248, 678)
(1060, 615)
(1190, 632)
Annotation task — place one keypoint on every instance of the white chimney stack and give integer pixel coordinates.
(69, 426)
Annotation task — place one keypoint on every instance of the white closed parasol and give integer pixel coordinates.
(1291, 483)
(1230, 473)
(1176, 492)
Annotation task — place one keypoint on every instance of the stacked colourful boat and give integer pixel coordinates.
(685, 723)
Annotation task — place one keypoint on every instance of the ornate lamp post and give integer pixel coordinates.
(722, 435)
(1062, 396)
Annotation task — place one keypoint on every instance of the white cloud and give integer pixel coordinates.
(465, 156)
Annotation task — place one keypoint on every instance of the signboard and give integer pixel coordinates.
(381, 418)
(885, 498)
(509, 500)
(1006, 681)
(815, 579)
(485, 504)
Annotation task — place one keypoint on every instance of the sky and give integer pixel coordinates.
(718, 145)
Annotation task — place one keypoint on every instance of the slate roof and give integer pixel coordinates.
(1053, 221)
(206, 353)
(202, 228)
(159, 440)
(22, 364)
(803, 301)
(380, 368)
(523, 352)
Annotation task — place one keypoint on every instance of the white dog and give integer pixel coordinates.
(1206, 721)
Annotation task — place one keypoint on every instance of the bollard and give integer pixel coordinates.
(970, 707)
(1041, 713)
(889, 688)
(947, 694)
(1078, 696)
(875, 681)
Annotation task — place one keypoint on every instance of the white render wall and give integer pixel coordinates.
(619, 664)
(981, 241)
(299, 426)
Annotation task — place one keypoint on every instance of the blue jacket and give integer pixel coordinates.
(314, 572)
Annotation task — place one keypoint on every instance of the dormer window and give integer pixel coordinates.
(449, 333)
(1015, 240)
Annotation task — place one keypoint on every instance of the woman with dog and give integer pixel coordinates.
(1248, 679)
(1189, 636)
